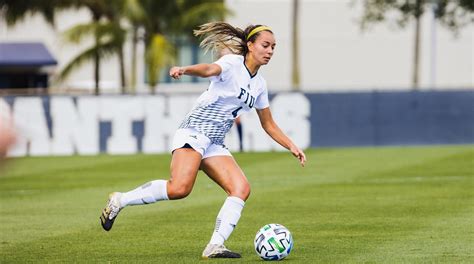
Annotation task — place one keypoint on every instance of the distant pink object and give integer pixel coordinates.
(7, 133)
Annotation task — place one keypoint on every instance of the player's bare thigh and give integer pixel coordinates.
(227, 173)
(184, 168)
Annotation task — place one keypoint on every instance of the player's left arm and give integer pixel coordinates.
(272, 129)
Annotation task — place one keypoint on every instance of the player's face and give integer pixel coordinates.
(263, 47)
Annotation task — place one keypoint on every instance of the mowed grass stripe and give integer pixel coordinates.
(340, 208)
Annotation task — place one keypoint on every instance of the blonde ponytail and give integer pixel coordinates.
(223, 38)
(219, 36)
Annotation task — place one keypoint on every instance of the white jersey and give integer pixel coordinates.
(231, 93)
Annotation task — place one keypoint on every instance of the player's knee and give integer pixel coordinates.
(179, 191)
(242, 191)
(245, 194)
(180, 185)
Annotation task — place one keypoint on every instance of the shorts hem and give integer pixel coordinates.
(200, 151)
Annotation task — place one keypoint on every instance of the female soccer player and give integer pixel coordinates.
(236, 87)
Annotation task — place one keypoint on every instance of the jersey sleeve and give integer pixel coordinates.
(262, 99)
(225, 62)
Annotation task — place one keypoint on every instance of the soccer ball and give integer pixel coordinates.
(273, 242)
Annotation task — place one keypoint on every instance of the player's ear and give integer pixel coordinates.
(250, 45)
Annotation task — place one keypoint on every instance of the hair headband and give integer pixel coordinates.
(256, 30)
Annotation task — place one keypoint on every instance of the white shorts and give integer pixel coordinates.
(198, 142)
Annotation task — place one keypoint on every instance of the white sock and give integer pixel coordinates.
(227, 219)
(149, 192)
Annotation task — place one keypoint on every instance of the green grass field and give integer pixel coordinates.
(348, 205)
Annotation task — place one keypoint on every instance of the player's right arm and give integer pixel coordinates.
(202, 70)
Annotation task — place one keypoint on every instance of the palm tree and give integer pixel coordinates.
(165, 20)
(135, 14)
(13, 11)
(161, 21)
(108, 41)
(108, 34)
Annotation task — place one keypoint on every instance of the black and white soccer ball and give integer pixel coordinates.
(273, 242)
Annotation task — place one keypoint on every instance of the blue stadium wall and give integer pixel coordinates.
(117, 124)
(392, 118)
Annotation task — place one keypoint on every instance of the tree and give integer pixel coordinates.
(453, 14)
(295, 70)
(166, 20)
(135, 15)
(13, 11)
(107, 33)
(161, 21)
(108, 41)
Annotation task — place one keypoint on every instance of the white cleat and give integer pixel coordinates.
(218, 251)
(111, 211)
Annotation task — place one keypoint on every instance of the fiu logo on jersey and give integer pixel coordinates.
(246, 97)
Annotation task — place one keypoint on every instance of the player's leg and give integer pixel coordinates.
(238, 125)
(187, 148)
(184, 167)
(225, 172)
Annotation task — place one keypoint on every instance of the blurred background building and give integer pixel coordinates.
(334, 52)
(344, 73)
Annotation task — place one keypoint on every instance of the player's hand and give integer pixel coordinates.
(299, 154)
(176, 72)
